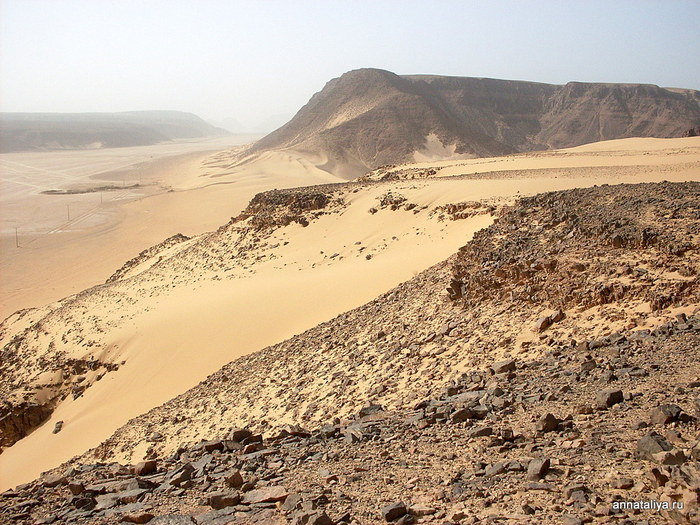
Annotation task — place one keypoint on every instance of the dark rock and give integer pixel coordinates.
(665, 414)
(394, 511)
(651, 444)
(317, 518)
(537, 469)
(608, 397)
(220, 500)
(84, 503)
(548, 423)
(238, 434)
(131, 496)
(658, 478)
(76, 488)
(182, 474)
(461, 415)
(145, 468)
(234, 479)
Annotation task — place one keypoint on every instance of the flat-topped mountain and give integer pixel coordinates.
(369, 117)
(46, 131)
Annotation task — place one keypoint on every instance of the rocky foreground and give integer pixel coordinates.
(547, 373)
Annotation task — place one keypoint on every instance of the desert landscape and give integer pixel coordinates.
(426, 298)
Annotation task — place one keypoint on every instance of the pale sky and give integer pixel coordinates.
(259, 61)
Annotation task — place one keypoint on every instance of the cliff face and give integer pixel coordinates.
(46, 131)
(369, 117)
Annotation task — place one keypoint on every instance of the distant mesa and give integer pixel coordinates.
(370, 117)
(59, 131)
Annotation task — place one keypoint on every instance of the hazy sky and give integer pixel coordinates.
(253, 61)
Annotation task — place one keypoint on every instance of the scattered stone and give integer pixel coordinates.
(265, 495)
(137, 517)
(665, 414)
(651, 444)
(548, 423)
(145, 468)
(608, 397)
(394, 511)
(220, 500)
(537, 468)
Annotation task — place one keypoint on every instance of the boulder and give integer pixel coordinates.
(542, 324)
(182, 474)
(670, 457)
(502, 367)
(54, 480)
(234, 479)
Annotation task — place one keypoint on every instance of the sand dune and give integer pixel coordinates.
(57, 258)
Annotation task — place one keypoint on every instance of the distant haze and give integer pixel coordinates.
(252, 65)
